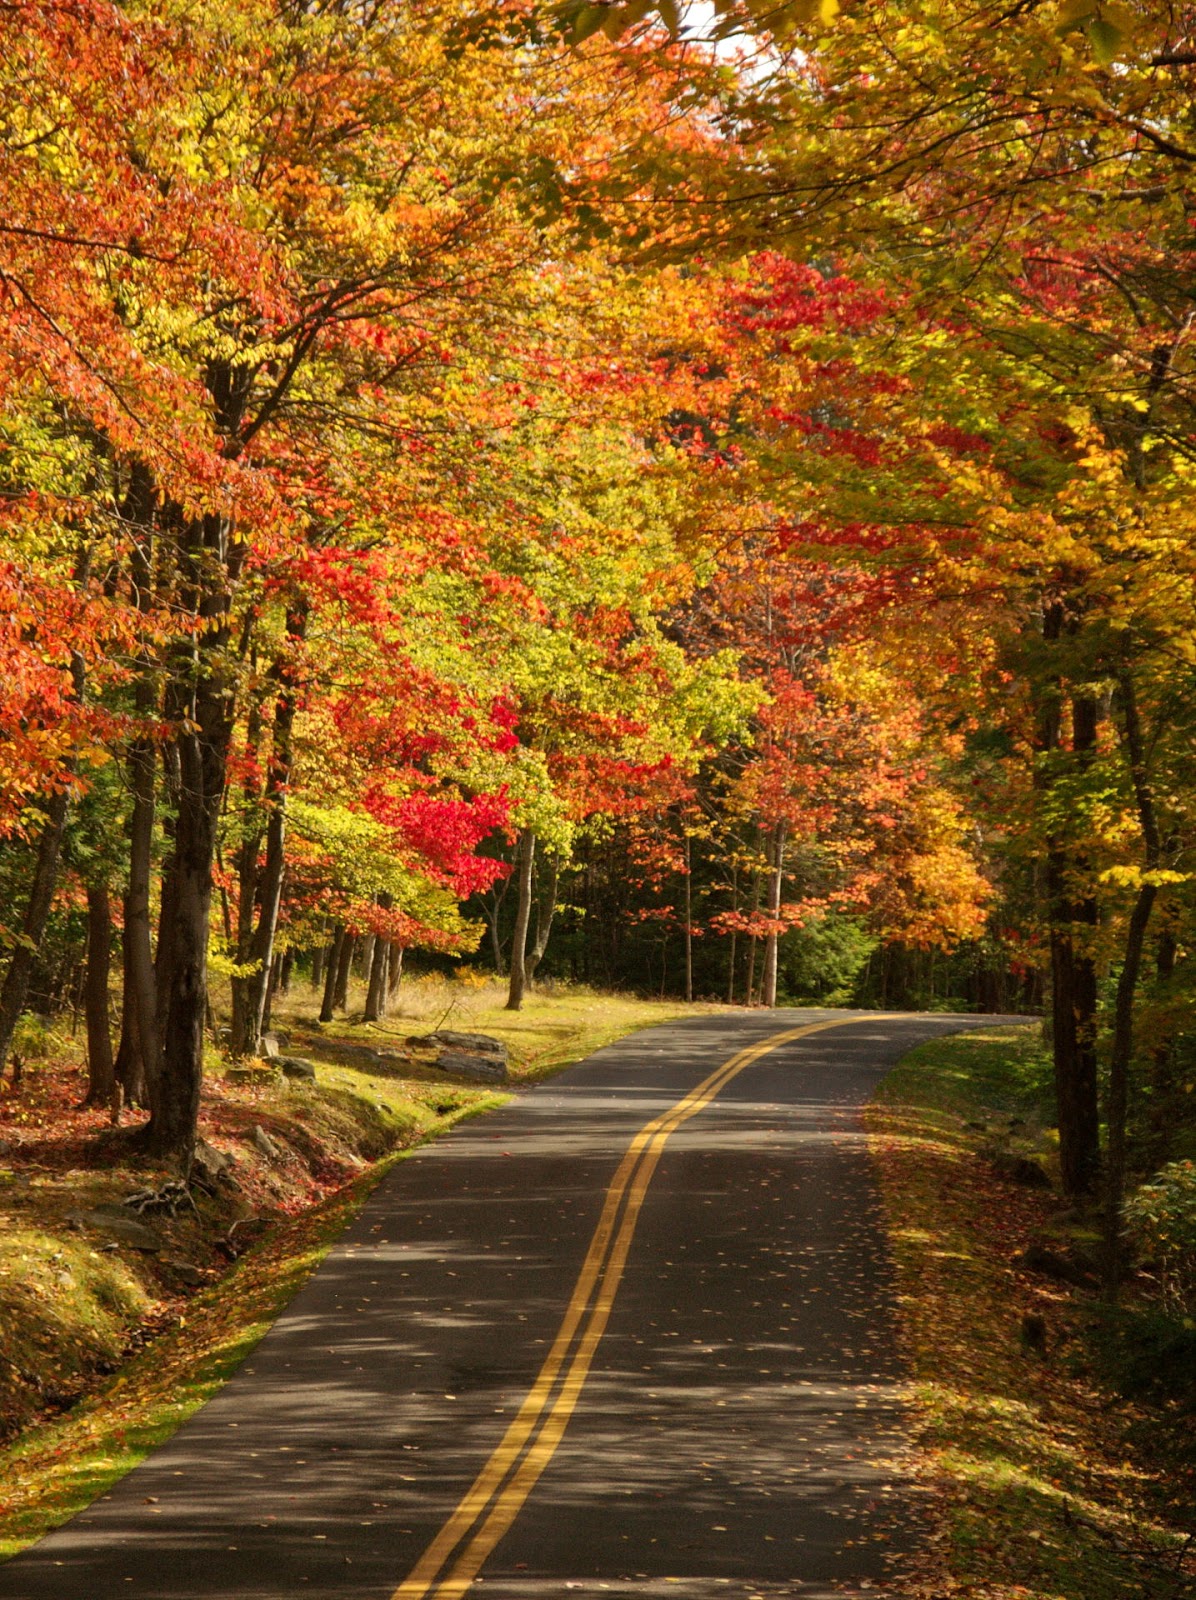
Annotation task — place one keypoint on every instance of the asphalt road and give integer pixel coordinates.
(631, 1335)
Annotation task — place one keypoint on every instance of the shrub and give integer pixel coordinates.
(1161, 1223)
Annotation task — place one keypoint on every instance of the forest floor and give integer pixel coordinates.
(1048, 1479)
(110, 1337)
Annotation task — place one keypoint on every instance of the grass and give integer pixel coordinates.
(1040, 1494)
(71, 1310)
(552, 1030)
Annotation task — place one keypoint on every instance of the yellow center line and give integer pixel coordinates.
(602, 1270)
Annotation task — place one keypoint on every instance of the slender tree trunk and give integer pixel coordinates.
(1122, 1052)
(317, 965)
(33, 924)
(1082, 981)
(242, 1029)
(376, 994)
(734, 912)
(689, 936)
(527, 857)
(130, 1060)
(269, 886)
(102, 1087)
(332, 972)
(201, 744)
(138, 1053)
(545, 911)
(1072, 917)
(344, 972)
(775, 884)
(394, 972)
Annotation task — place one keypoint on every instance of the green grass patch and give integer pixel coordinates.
(1040, 1493)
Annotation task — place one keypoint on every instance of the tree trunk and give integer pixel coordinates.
(317, 965)
(689, 936)
(269, 886)
(344, 971)
(775, 885)
(545, 911)
(1072, 916)
(201, 744)
(138, 1053)
(1123, 1017)
(101, 1069)
(394, 971)
(242, 1029)
(376, 994)
(332, 972)
(33, 924)
(734, 912)
(527, 857)
(130, 1060)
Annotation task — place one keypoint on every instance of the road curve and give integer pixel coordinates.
(632, 1335)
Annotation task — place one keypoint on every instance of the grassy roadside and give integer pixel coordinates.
(1048, 1485)
(139, 1341)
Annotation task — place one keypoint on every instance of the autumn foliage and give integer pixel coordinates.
(530, 485)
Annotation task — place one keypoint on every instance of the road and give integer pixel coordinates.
(631, 1335)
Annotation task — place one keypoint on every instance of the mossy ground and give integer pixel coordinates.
(1050, 1485)
(106, 1349)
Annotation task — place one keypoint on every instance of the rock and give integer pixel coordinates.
(261, 1076)
(485, 1068)
(119, 1225)
(1018, 1169)
(268, 1045)
(282, 1036)
(186, 1273)
(470, 1043)
(1041, 1258)
(210, 1166)
(263, 1142)
(296, 1067)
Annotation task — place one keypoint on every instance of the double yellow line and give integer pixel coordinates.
(455, 1557)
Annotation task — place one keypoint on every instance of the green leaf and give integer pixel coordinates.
(1105, 39)
(586, 21)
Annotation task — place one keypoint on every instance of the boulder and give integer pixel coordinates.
(269, 1046)
(186, 1274)
(471, 1043)
(116, 1222)
(485, 1068)
(295, 1067)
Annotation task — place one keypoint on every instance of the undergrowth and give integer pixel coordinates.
(1051, 1482)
